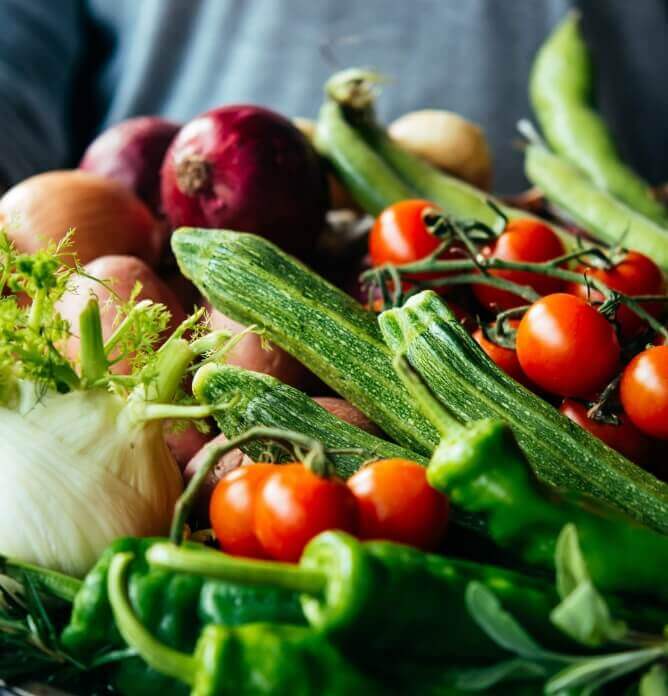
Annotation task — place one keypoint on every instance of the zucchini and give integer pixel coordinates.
(263, 400)
(471, 387)
(254, 282)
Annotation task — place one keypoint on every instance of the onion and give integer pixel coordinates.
(246, 168)
(250, 354)
(121, 273)
(105, 216)
(131, 152)
(448, 141)
(347, 412)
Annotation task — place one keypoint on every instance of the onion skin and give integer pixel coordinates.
(105, 216)
(448, 141)
(250, 354)
(121, 272)
(248, 169)
(131, 152)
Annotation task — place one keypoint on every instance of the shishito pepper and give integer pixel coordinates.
(251, 659)
(482, 469)
(175, 606)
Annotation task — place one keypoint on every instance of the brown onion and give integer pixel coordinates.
(105, 216)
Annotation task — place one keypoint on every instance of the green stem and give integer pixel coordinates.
(526, 292)
(151, 412)
(123, 328)
(211, 342)
(49, 581)
(220, 566)
(157, 655)
(187, 499)
(171, 364)
(94, 363)
(37, 309)
(436, 413)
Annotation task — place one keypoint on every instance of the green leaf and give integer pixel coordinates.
(583, 613)
(569, 561)
(584, 616)
(498, 624)
(483, 678)
(654, 682)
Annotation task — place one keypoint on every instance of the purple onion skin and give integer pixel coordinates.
(131, 152)
(248, 169)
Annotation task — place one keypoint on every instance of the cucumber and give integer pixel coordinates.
(254, 282)
(471, 387)
(263, 400)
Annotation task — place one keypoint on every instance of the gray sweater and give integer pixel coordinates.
(68, 68)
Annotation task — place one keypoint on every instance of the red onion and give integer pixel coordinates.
(249, 169)
(131, 152)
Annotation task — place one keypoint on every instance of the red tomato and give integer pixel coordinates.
(524, 239)
(635, 274)
(293, 505)
(395, 502)
(399, 234)
(644, 391)
(625, 437)
(504, 358)
(566, 347)
(231, 510)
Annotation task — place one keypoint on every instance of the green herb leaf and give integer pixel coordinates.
(483, 678)
(654, 682)
(583, 614)
(498, 624)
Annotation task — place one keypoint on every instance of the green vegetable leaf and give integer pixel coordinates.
(654, 682)
(583, 614)
(483, 678)
(498, 624)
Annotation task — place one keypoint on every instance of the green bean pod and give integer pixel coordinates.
(561, 88)
(599, 213)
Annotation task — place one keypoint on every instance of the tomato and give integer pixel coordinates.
(524, 239)
(399, 234)
(503, 358)
(566, 347)
(231, 510)
(644, 391)
(635, 274)
(395, 502)
(293, 505)
(625, 437)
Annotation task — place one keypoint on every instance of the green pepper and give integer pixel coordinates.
(482, 469)
(175, 606)
(379, 600)
(253, 659)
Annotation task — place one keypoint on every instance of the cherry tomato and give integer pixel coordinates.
(503, 358)
(399, 234)
(524, 239)
(566, 347)
(231, 510)
(635, 274)
(293, 505)
(625, 437)
(395, 502)
(644, 391)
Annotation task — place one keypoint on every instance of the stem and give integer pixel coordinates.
(157, 655)
(123, 328)
(187, 499)
(220, 566)
(436, 413)
(37, 309)
(93, 357)
(212, 341)
(524, 291)
(171, 364)
(151, 412)
(49, 581)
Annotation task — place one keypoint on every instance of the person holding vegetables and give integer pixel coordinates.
(70, 68)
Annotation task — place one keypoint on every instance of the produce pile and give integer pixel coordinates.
(301, 408)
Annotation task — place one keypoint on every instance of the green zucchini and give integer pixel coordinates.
(263, 400)
(366, 177)
(598, 212)
(471, 387)
(254, 282)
